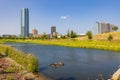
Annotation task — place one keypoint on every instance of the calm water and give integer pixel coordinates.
(80, 64)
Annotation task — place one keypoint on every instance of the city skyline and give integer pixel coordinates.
(100, 28)
(78, 15)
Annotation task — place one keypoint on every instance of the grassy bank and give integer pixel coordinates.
(28, 61)
(104, 45)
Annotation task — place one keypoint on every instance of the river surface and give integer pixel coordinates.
(80, 64)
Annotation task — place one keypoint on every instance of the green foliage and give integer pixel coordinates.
(71, 34)
(68, 33)
(29, 61)
(110, 37)
(44, 36)
(89, 34)
(63, 37)
(104, 45)
(115, 28)
(10, 69)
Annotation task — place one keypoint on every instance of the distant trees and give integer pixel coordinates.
(110, 37)
(115, 28)
(71, 34)
(89, 34)
(44, 36)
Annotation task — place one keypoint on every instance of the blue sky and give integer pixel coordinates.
(78, 15)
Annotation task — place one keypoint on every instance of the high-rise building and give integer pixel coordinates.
(102, 27)
(53, 30)
(25, 22)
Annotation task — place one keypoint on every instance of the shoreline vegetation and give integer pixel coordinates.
(104, 41)
(15, 64)
(102, 45)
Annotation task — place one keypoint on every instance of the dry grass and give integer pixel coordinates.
(104, 36)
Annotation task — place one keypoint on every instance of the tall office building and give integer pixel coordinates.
(102, 27)
(53, 30)
(25, 22)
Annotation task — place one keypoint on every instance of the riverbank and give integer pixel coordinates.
(16, 65)
(103, 45)
(116, 75)
(9, 71)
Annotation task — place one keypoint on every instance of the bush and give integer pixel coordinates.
(89, 34)
(110, 37)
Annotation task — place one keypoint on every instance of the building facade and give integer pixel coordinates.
(25, 22)
(102, 27)
(35, 32)
(53, 30)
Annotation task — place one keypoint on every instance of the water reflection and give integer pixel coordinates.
(80, 64)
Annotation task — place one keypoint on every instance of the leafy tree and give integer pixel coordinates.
(110, 37)
(44, 36)
(115, 28)
(71, 34)
(68, 33)
(63, 37)
(89, 34)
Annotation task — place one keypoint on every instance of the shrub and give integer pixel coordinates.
(110, 37)
(89, 34)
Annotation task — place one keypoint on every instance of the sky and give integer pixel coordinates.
(77, 15)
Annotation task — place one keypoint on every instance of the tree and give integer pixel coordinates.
(68, 33)
(115, 28)
(71, 34)
(110, 37)
(89, 34)
(44, 36)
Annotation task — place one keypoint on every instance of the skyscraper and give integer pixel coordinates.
(25, 22)
(53, 30)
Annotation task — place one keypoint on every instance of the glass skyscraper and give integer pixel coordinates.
(25, 22)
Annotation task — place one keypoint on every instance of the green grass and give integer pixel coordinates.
(28, 61)
(104, 45)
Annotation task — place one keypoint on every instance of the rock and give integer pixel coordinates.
(29, 76)
(61, 64)
(57, 65)
(54, 65)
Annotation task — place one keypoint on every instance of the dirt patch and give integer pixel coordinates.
(10, 70)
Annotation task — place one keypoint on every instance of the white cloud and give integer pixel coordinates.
(64, 17)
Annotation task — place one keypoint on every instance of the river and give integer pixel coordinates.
(80, 64)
